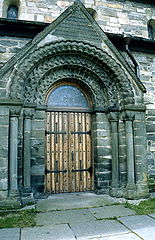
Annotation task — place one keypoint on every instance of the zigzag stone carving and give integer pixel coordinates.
(34, 75)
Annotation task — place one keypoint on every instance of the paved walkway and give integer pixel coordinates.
(84, 216)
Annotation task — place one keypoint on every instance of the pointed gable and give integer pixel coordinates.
(75, 23)
(78, 25)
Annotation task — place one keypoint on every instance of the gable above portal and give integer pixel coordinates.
(75, 24)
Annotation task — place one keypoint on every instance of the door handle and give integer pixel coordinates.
(72, 156)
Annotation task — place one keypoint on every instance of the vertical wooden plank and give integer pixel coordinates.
(52, 147)
(56, 164)
(76, 137)
(60, 154)
(71, 152)
(84, 152)
(48, 153)
(80, 160)
(88, 148)
(65, 151)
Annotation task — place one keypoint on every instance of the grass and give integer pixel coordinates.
(145, 207)
(15, 219)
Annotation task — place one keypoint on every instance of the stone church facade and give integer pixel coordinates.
(77, 103)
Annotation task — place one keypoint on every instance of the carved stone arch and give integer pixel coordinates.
(102, 64)
(103, 91)
(84, 80)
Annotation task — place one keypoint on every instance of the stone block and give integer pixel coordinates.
(10, 233)
(101, 167)
(103, 176)
(98, 229)
(4, 182)
(38, 183)
(60, 233)
(102, 133)
(101, 117)
(111, 211)
(38, 125)
(38, 134)
(102, 125)
(4, 152)
(37, 160)
(38, 170)
(62, 217)
(142, 225)
(8, 43)
(4, 129)
(140, 131)
(140, 140)
(102, 141)
(40, 115)
(102, 151)
(140, 150)
(150, 128)
(4, 111)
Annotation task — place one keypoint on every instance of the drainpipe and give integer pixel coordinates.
(127, 39)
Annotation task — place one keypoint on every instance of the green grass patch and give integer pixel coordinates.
(144, 207)
(15, 219)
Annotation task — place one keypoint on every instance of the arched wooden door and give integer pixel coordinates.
(69, 166)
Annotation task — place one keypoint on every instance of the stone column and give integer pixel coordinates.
(28, 114)
(13, 159)
(113, 117)
(131, 187)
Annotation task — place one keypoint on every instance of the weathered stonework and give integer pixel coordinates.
(74, 48)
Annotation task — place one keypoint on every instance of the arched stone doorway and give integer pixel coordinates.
(69, 162)
(116, 114)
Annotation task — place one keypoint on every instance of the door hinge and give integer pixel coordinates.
(55, 171)
(48, 132)
(78, 132)
(83, 170)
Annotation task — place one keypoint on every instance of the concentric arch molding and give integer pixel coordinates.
(27, 66)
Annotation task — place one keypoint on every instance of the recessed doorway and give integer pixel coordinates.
(69, 165)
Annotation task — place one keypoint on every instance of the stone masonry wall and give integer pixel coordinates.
(9, 46)
(124, 17)
(4, 134)
(115, 16)
(38, 151)
(147, 76)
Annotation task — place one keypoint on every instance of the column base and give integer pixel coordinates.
(142, 190)
(11, 202)
(130, 191)
(27, 197)
(14, 193)
(116, 192)
(136, 191)
(3, 194)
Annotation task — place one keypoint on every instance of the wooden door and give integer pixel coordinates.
(69, 165)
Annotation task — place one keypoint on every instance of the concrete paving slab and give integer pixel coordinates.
(68, 216)
(10, 234)
(73, 201)
(143, 226)
(111, 211)
(126, 236)
(56, 232)
(152, 215)
(97, 229)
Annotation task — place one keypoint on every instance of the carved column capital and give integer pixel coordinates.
(28, 113)
(113, 116)
(15, 111)
(128, 116)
